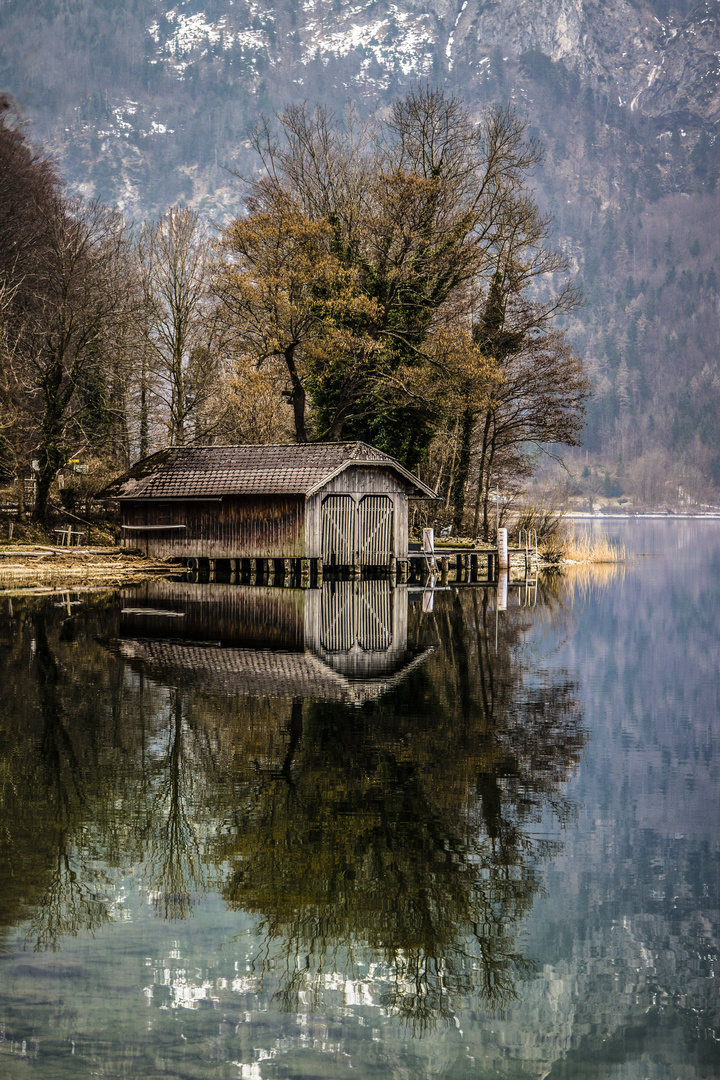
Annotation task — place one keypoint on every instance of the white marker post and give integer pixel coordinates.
(502, 549)
(429, 546)
(502, 591)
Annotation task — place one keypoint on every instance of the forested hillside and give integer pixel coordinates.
(146, 105)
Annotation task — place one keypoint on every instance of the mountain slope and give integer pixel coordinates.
(146, 104)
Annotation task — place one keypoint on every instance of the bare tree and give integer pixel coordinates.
(181, 333)
(64, 302)
(540, 400)
(29, 195)
(79, 304)
(62, 314)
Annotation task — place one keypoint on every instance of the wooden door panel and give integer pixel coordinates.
(375, 530)
(338, 530)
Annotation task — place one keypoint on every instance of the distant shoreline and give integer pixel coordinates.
(654, 515)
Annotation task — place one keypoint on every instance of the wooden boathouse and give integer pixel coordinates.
(334, 504)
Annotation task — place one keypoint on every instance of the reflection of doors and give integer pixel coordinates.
(357, 612)
(338, 530)
(373, 616)
(375, 530)
(337, 632)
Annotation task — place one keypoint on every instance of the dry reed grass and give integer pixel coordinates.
(592, 549)
(588, 563)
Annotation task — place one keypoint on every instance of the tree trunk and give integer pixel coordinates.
(463, 469)
(42, 493)
(144, 433)
(50, 454)
(178, 402)
(486, 498)
(451, 475)
(297, 395)
(481, 474)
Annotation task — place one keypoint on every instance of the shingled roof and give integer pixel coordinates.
(187, 472)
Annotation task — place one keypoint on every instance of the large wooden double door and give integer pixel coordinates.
(357, 532)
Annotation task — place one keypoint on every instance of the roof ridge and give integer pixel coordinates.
(273, 446)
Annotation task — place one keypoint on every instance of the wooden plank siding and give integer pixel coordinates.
(260, 526)
(266, 502)
(360, 517)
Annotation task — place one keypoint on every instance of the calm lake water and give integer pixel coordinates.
(253, 833)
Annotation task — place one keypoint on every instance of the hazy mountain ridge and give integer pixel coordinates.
(146, 105)
(143, 74)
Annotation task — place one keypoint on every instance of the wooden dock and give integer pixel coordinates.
(449, 565)
(478, 565)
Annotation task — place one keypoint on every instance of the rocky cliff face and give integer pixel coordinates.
(658, 67)
(58, 57)
(117, 92)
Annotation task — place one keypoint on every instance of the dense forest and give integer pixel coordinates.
(146, 109)
(389, 286)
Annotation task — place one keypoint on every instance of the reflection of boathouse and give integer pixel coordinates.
(344, 642)
(341, 503)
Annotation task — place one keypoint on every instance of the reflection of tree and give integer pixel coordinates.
(406, 828)
(72, 899)
(94, 774)
(402, 832)
(170, 842)
(355, 852)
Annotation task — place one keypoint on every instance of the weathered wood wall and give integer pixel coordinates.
(359, 518)
(265, 526)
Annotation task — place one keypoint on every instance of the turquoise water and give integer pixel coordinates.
(259, 834)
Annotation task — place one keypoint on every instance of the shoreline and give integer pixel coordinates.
(40, 569)
(34, 569)
(644, 515)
